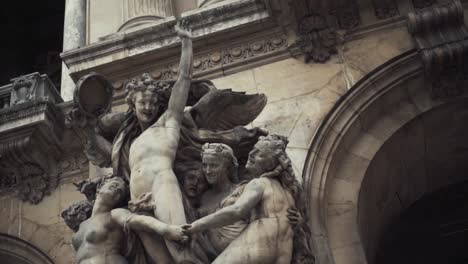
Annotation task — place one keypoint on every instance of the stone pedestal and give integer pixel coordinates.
(141, 12)
(74, 36)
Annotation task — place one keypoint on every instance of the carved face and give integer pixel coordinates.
(146, 106)
(261, 159)
(194, 183)
(113, 192)
(215, 168)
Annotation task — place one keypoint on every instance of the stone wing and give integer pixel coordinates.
(226, 109)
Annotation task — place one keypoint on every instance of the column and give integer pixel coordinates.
(139, 12)
(74, 36)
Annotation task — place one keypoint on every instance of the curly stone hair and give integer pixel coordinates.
(145, 83)
(228, 155)
(277, 145)
(76, 214)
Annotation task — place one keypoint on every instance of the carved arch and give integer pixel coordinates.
(345, 144)
(20, 251)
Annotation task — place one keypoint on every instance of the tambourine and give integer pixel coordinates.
(93, 95)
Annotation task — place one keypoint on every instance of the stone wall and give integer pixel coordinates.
(300, 95)
(41, 224)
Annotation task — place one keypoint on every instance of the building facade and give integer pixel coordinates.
(370, 94)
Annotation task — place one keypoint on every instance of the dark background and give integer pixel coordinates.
(31, 38)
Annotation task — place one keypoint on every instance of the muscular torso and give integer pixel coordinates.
(269, 224)
(275, 203)
(152, 152)
(99, 241)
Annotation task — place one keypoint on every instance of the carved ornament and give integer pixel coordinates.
(30, 135)
(23, 88)
(346, 13)
(442, 41)
(385, 9)
(316, 40)
(218, 60)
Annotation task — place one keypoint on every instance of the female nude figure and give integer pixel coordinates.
(266, 199)
(220, 169)
(152, 157)
(100, 239)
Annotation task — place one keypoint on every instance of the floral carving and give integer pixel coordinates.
(316, 40)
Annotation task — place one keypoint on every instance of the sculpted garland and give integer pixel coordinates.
(189, 185)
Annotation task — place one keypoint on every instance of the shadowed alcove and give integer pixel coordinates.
(413, 199)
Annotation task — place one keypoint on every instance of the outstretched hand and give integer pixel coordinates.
(183, 29)
(176, 233)
(190, 229)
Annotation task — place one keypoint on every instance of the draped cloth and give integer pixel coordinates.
(134, 251)
(128, 132)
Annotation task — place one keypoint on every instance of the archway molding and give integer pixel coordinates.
(345, 144)
(21, 251)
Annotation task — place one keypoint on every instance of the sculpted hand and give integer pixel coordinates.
(190, 229)
(176, 233)
(183, 30)
(295, 217)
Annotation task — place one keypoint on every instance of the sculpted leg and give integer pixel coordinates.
(168, 198)
(170, 209)
(155, 248)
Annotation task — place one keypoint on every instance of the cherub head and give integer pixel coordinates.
(219, 163)
(147, 97)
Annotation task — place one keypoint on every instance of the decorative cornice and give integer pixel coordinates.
(158, 42)
(442, 41)
(218, 62)
(28, 109)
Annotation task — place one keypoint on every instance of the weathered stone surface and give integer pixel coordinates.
(291, 78)
(368, 53)
(46, 212)
(243, 82)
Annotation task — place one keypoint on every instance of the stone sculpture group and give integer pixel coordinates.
(189, 184)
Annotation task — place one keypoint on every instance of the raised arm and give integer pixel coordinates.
(251, 196)
(181, 88)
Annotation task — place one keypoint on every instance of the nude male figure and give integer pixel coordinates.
(151, 161)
